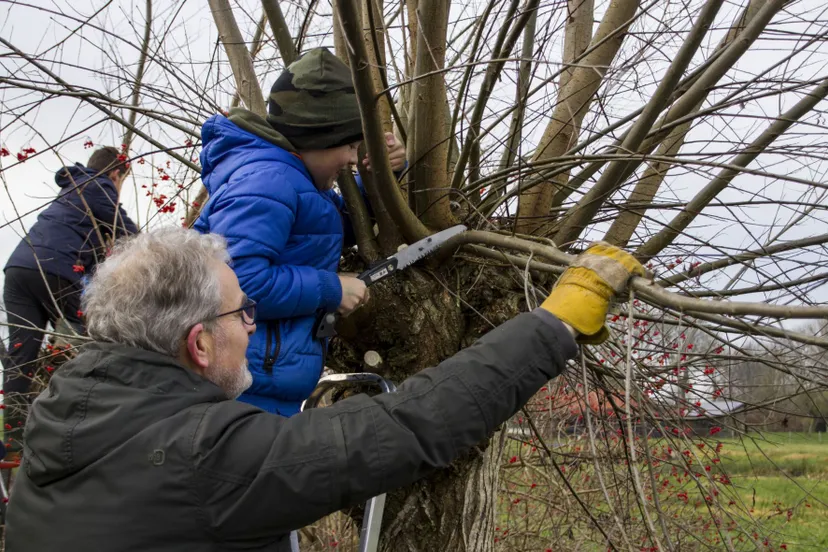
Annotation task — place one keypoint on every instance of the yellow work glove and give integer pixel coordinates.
(582, 296)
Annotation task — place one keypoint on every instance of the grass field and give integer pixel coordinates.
(788, 473)
(773, 498)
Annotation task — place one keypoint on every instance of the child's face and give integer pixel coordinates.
(324, 165)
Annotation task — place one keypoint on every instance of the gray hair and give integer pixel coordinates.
(154, 287)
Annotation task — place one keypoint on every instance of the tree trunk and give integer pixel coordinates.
(429, 178)
(414, 322)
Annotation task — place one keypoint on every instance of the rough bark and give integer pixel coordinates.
(413, 321)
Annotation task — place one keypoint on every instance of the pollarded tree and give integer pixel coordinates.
(688, 132)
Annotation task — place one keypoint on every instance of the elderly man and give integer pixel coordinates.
(136, 444)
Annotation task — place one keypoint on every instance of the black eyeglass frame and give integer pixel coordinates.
(248, 311)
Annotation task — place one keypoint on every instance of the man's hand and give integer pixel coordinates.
(582, 296)
(396, 154)
(354, 294)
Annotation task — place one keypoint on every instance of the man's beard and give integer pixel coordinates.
(232, 382)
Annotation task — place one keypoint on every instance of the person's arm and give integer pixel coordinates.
(257, 228)
(261, 475)
(102, 200)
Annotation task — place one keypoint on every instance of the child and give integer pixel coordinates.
(270, 183)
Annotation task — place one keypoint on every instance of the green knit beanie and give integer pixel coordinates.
(313, 103)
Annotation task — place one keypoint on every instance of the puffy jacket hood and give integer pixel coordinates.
(229, 144)
(100, 400)
(76, 174)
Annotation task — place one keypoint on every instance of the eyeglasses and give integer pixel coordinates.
(248, 311)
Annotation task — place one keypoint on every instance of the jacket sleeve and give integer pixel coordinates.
(257, 228)
(102, 200)
(259, 475)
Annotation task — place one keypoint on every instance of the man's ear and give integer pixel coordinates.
(115, 176)
(199, 347)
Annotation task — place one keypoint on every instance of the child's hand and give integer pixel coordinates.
(354, 294)
(396, 154)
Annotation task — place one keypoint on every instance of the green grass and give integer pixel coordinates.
(785, 472)
(797, 455)
(779, 489)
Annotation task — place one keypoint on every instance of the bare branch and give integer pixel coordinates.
(410, 227)
(503, 47)
(781, 124)
(573, 102)
(255, 48)
(239, 57)
(139, 77)
(279, 28)
(646, 188)
(645, 287)
(428, 177)
(579, 216)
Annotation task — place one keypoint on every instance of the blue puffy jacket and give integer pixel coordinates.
(67, 233)
(285, 238)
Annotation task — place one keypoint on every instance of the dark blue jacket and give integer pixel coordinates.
(68, 232)
(285, 238)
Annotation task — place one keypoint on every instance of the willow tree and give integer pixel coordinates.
(687, 132)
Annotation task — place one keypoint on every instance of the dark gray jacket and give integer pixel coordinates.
(129, 451)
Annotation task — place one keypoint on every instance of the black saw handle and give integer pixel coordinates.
(325, 326)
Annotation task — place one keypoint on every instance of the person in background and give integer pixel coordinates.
(271, 196)
(43, 274)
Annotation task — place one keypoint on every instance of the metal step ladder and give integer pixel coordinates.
(372, 522)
